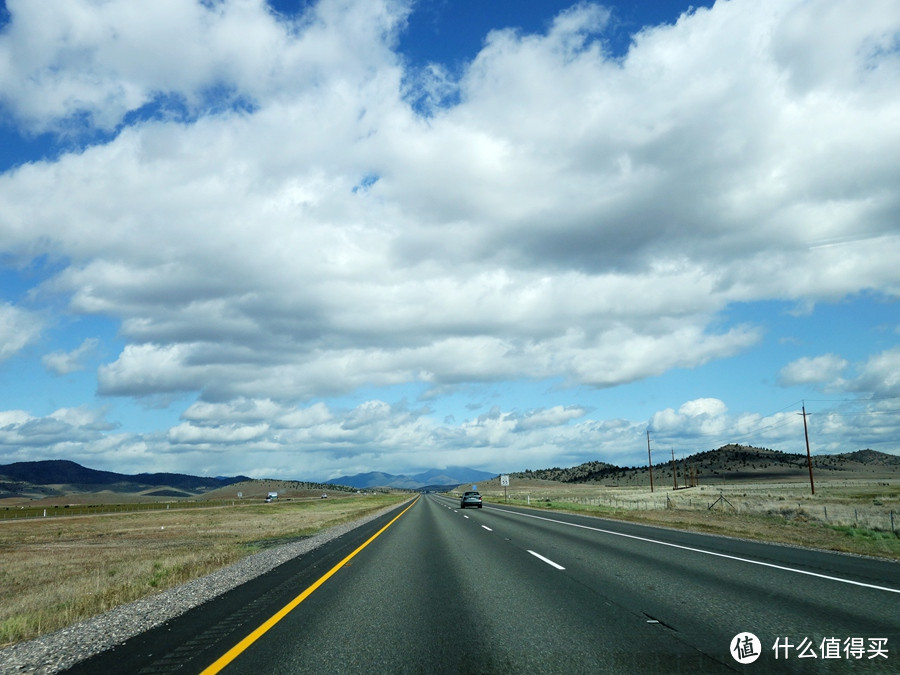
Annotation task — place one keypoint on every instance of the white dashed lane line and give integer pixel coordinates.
(536, 555)
(547, 560)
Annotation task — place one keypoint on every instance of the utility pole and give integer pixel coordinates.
(674, 472)
(812, 485)
(649, 461)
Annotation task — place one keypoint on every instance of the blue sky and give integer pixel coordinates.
(309, 239)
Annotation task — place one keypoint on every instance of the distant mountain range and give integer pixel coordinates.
(58, 477)
(452, 475)
(33, 480)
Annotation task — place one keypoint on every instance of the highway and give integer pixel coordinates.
(432, 588)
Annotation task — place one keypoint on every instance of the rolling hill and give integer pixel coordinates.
(731, 462)
(59, 477)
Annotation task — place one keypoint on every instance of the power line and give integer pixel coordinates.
(752, 432)
(884, 397)
(860, 413)
(743, 437)
(767, 424)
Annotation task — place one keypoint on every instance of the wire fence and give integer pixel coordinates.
(872, 514)
(869, 517)
(67, 510)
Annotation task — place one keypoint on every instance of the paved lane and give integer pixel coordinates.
(707, 589)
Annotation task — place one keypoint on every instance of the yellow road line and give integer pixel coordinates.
(241, 646)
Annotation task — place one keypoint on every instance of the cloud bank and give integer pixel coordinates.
(280, 209)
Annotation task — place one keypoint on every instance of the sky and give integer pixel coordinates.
(309, 239)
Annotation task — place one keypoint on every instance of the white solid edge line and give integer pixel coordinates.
(700, 550)
(546, 560)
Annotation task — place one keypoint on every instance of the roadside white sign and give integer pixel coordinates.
(504, 480)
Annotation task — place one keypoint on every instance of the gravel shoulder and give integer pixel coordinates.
(58, 651)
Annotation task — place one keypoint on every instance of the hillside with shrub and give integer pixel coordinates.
(728, 462)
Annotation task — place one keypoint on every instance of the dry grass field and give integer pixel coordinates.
(854, 515)
(57, 571)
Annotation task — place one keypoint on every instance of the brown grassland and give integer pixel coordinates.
(57, 571)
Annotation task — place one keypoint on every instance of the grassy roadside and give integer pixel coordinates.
(847, 539)
(56, 572)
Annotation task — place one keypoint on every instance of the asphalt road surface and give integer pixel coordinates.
(431, 588)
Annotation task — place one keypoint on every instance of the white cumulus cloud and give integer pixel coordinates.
(63, 363)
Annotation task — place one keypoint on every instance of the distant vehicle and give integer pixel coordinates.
(470, 498)
(324, 496)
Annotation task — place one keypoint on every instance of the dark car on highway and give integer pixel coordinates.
(470, 499)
